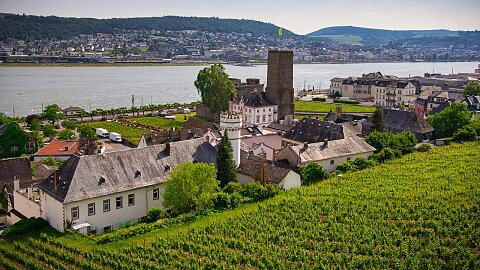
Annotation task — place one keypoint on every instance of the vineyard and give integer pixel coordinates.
(419, 211)
(163, 123)
(322, 107)
(130, 133)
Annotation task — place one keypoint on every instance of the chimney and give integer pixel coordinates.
(66, 148)
(16, 184)
(325, 142)
(305, 145)
(168, 148)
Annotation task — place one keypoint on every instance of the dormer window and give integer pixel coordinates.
(138, 173)
(167, 168)
(101, 180)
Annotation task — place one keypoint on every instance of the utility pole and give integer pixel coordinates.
(13, 111)
(42, 106)
(133, 101)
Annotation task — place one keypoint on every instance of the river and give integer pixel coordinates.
(27, 88)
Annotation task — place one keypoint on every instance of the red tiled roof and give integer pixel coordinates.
(57, 147)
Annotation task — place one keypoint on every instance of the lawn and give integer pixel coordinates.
(419, 211)
(163, 123)
(322, 107)
(130, 133)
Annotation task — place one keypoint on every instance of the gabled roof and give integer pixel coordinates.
(473, 102)
(58, 148)
(253, 99)
(250, 166)
(194, 122)
(399, 121)
(15, 167)
(84, 177)
(70, 109)
(314, 130)
(279, 127)
(351, 145)
(440, 107)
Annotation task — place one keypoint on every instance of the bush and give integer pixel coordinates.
(346, 101)
(384, 155)
(363, 164)
(312, 173)
(155, 214)
(224, 200)
(322, 99)
(404, 142)
(68, 124)
(424, 148)
(256, 192)
(24, 226)
(232, 187)
(465, 134)
(475, 125)
(347, 166)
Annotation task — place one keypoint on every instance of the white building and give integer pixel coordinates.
(256, 109)
(336, 85)
(232, 123)
(328, 153)
(99, 193)
(393, 94)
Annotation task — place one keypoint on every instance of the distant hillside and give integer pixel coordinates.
(40, 27)
(367, 36)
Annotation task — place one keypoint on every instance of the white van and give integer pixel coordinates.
(101, 132)
(115, 137)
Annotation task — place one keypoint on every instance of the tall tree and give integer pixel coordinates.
(52, 113)
(472, 89)
(87, 142)
(226, 166)
(450, 119)
(190, 187)
(215, 88)
(378, 120)
(49, 131)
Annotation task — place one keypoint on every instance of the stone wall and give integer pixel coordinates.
(280, 82)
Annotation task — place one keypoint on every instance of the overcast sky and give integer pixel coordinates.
(299, 16)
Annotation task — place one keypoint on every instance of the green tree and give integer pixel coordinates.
(346, 166)
(49, 131)
(52, 113)
(403, 142)
(215, 88)
(475, 125)
(465, 134)
(378, 120)
(189, 187)
(66, 134)
(226, 166)
(87, 143)
(450, 119)
(69, 124)
(13, 141)
(472, 89)
(3, 200)
(312, 173)
(38, 138)
(35, 125)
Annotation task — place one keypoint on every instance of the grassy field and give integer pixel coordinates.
(130, 133)
(160, 122)
(322, 107)
(420, 211)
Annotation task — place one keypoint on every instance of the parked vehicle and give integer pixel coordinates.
(100, 148)
(101, 132)
(115, 137)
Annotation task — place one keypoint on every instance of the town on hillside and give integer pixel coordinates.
(95, 172)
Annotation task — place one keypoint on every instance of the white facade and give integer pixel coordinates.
(255, 116)
(394, 96)
(232, 123)
(331, 164)
(291, 180)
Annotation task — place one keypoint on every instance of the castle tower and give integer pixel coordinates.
(279, 89)
(232, 123)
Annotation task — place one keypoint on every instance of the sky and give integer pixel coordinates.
(299, 16)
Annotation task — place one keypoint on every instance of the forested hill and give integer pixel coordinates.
(49, 27)
(368, 36)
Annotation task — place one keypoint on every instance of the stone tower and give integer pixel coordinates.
(232, 123)
(279, 89)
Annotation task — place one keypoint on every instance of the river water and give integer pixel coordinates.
(27, 88)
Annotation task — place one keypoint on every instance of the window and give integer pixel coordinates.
(131, 199)
(107, 229)
(258, 118)
(349, 158)
(75, 213)
(264, 118)
(156, 194)
(332, 162)
(30, 145)
(263, 110)
(270, 109)
(91, 209)
(119, 202)
(106, 205)
(13, 148)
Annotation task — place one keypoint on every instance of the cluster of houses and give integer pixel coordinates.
(98, 193)
(425, 95)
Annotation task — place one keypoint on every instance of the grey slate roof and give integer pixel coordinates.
(80, 176)
(399, 121)
(250, 166)
(473, 103)
(194, 122)
(351, 145)
(440, 107)
(172, 136)
(3, 128)
(314, 130)
(253, 99)
(15, 167)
